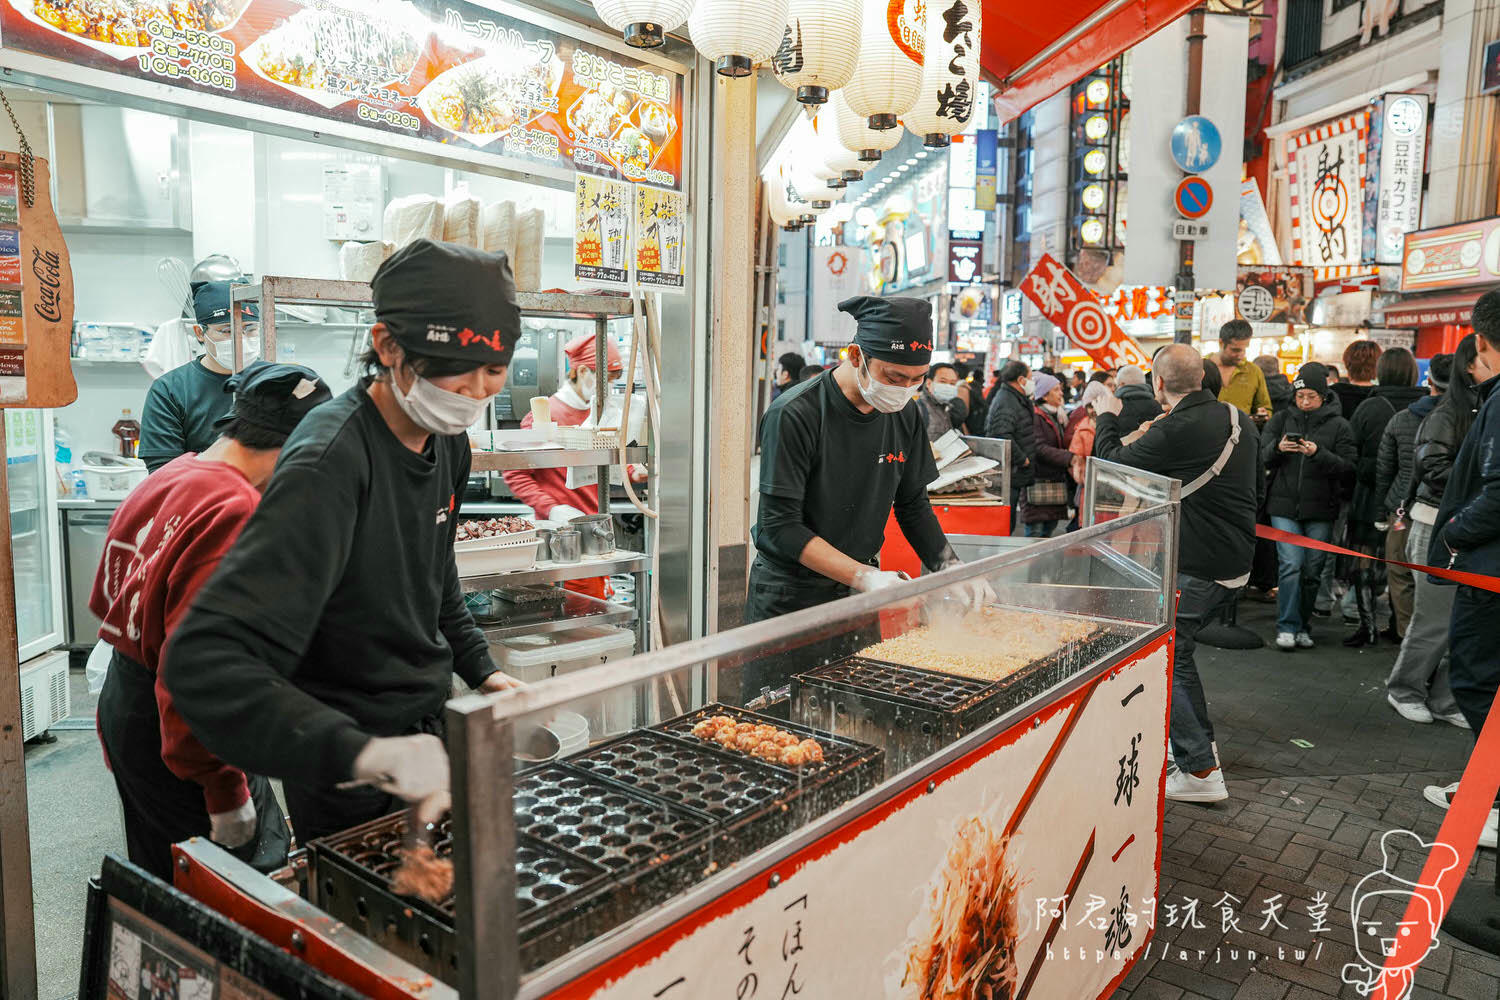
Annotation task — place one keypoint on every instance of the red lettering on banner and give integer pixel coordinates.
(1073, 308)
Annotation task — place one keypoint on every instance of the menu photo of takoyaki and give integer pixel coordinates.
(598, 113)
(480, 100)
(647, 130)
(330, 56)
(118, 27)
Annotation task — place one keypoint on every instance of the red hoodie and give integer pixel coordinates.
(164, 542)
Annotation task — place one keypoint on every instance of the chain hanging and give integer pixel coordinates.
(28, 160)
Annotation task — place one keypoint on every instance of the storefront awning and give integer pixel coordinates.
(1031, 51)
(1432, 310)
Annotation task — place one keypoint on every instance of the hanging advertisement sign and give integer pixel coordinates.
(446, 71)
(36, 290)
(1403, 149)
(1273, 294)
(1452, 256)
(601, 232)
(986, 168)
(1074, 309)
(1327, 175)
(838, 273)
(660, 234)
(965, 261)
(1256, 243)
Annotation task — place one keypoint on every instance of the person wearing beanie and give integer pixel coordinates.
(1045, 502)
(184, 404)
(323, 649)
(1138, 405)
(838, 454)
(163, 543)
(1307, 451)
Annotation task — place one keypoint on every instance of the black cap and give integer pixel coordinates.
(211, 303)
(1312, 376)
(898, 330)
(274, 397)
(449, 301)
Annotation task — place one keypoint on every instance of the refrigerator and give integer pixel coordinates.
(34, 527)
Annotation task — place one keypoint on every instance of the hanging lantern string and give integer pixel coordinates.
(28, 161)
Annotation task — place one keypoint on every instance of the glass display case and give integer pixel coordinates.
(847, 784)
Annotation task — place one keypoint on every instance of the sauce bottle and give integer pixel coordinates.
(128, 432)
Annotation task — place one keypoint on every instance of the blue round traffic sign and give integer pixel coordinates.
(1193, 198)
(1196, 144)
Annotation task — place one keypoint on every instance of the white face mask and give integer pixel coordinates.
(885, 398)
(437, 410)
(943, 392)
(1028, 387)
(586, 383)
(222, 351)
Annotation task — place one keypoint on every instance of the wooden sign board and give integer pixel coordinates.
(36, 293)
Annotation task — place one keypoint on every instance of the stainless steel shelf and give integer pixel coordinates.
(554, 458)
(578, 610)
(551, 572)
(571, 305)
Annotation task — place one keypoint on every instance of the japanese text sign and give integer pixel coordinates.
(1077, 311)
(1327, 173)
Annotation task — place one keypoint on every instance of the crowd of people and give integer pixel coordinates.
(1387, 462)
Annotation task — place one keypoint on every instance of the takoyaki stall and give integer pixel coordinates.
(891, 796)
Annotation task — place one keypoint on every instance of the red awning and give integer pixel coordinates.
(1431, 310)
(1033, 50)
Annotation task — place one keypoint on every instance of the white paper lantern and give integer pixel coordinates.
(842, 161)
(782, 212)
(643, 23)
(854, 131)
(820, 47)
(889, 76)
(736, 35)
(950, 73)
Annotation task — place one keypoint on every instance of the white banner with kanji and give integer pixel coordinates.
(1327, 175)
(838, 273)
(1033, 861)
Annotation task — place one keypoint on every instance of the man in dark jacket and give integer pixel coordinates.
(1212, 448)
(1010, 418)
(1468, 535)
(1395, 463)
(1137, 404)
(1307, 451)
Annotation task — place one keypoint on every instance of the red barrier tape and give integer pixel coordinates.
(1458, 837)
(1476, 580)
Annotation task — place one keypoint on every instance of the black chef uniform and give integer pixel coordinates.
(183, 405)
(830, 471)
(339, 615)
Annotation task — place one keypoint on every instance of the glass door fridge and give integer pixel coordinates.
(33, 530)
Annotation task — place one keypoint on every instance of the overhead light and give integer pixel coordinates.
(1096, 127)
(902, 169)
(1093, 197)
(1092, 231)
(921, 154)
(1097, 92)
(912, 162)
(1095, 161)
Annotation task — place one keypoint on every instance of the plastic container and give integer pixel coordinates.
(110, 477)
(534, 658)
(501, 554)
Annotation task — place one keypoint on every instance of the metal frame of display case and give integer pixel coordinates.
(481, 739)
(273, 291)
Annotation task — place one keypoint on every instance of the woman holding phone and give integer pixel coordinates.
(1307, 450)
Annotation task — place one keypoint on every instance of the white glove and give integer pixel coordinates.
(412, 768)
(562, 512)
(870, 578)
(235, 828)
(976, 593)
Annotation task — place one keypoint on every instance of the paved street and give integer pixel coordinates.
(1300, 821)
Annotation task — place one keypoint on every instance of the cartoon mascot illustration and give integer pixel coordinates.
(1376, 936)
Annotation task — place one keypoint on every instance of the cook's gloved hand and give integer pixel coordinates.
(234, 828)
(562, 512)
(869, 578)
(976, 593)
(412, 768)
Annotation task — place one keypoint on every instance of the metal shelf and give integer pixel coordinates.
(578, 610)
(326, 292)
(550, 458)
(572, 305)
(551, 572)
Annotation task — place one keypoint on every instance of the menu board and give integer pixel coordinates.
(660, 218)
(601, 233)
(450, 72)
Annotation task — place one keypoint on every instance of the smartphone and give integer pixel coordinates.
(1296, 438)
